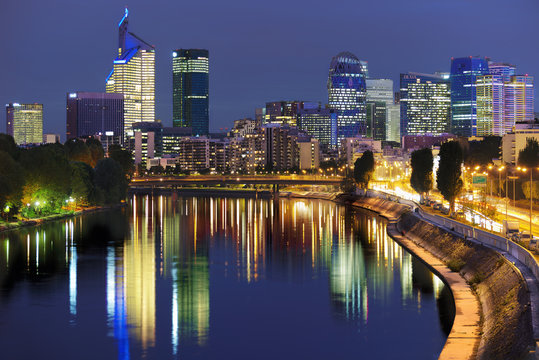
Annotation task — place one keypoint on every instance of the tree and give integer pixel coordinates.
(11, 183)
(48, 177)
(77, 150)
(124, 158)
(529, 156)
(96, 151)
(82, 183)
(364, 169)
(482, 152)
(110, 181)
(421, 178)
(7, 144)
(448, 176)
(535, 189)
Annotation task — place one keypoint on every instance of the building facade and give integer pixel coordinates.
(25, 123)
(347, 95)
(464, 73)
(425, 104)
(503, 100)
(190, 90)
(286, 112)
(91, 113)
(514, 142)
(133, 75)
(320, 124)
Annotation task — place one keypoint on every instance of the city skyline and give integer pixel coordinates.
(301, 74)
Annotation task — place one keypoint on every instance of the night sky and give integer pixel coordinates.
(259, 50)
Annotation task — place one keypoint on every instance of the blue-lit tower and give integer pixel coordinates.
(464, 73)
(133, 75)
(346, 95)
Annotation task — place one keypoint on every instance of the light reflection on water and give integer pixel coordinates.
(166, 260)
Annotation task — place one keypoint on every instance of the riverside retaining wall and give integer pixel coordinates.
(506, 328)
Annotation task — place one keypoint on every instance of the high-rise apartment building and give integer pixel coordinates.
(425, 104)
(190, 90)
(91, 113)
(133, 75)
(464, 73)
(25, 123)
(346, 95)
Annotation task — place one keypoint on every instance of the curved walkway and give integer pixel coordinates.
(465, 335)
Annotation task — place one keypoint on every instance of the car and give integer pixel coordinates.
(444, 210)
(437, 206)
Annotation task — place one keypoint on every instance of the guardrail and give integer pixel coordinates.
(484, 237)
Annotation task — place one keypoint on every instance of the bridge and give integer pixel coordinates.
(209, 180)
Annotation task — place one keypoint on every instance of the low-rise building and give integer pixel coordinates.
(514, 142)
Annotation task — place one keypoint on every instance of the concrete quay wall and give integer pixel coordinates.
(493, 313)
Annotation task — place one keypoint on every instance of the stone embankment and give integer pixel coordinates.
(504, 330)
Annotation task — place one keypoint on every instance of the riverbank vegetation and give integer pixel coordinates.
(58, 178)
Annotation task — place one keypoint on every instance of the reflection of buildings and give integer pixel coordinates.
(184, 227)
(131, 283)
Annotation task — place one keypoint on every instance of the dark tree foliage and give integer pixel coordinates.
(77, 150)
(529, 156)
(96, 150)
(11, 183)
(82, 183)
(124, 158)
(448, 176)
(47, 174)
(7, 144)
(110, 181)
(421, 178)
(482, 152)
(364, 169)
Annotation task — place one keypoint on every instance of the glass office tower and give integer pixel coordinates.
(464, 73)
(133, 75)
(346, 95)
(190, 90)
(424, 104)
(25, 123)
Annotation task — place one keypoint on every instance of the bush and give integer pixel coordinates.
(455, 265)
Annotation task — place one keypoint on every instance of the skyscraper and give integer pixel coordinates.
(91, 113)
(424, 104)
(25, 123)
(379, 98)
(464, 72)
(320, 124)
(133, 75)
(490, 105)
(346, 95)
(190, 90)
(519, 101)
(503, 99)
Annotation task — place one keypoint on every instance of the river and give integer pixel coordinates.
(174, 277)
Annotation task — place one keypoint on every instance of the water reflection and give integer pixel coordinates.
(166, 260)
